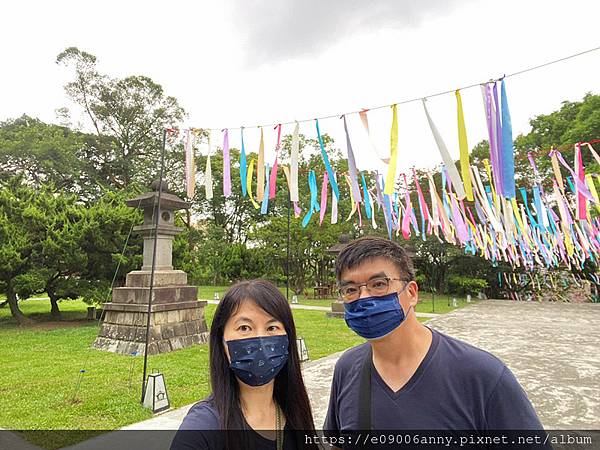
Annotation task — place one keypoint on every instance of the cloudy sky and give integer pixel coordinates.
(251, 62)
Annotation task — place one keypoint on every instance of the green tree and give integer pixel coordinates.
(128, 114)
(44, 154)
(50, 242)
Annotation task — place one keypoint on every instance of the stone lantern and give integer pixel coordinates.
(176, 317)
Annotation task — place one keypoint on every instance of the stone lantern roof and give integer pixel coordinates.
(168, 201)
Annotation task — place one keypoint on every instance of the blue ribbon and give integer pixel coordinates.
(571, 185)
(265, 201)
(527, 210)
(243, 167)
(445, 202)
(479, 212)
(388, 213)
(508, 159)
(368, 209)
(537, 201)
(314, 204)
(332, 181)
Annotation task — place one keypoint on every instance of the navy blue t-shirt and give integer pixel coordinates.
(201, 430)
(456, 387)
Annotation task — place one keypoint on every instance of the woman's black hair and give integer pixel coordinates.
(289, 390)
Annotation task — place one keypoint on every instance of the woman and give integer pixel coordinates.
(255, 376)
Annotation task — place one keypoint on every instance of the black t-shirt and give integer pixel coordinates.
(456, 387)
(201, 429)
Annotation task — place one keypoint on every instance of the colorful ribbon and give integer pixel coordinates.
(226, 165)
(332, 181)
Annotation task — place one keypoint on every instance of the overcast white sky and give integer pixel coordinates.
(250, 62)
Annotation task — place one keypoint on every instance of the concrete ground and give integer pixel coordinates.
(552, 348)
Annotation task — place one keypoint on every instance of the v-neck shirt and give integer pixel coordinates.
(455, 387)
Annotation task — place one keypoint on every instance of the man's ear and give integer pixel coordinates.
(413, 292)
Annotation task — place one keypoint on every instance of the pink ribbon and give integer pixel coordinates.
(323, 198)
(273, 179)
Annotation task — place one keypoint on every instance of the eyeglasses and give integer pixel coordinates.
(375, 287)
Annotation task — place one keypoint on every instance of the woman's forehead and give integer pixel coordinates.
(250, 310)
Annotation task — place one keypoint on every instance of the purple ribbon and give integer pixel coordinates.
(226, 165)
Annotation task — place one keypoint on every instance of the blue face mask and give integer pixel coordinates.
(374, 317)
(257, 360)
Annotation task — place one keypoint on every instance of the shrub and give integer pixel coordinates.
(462, 285)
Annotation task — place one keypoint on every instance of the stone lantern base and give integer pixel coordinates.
(337, 309)
(176, 318)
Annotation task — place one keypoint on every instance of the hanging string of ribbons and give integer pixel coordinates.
(557, 228)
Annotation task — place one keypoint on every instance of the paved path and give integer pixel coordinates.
(552, 348)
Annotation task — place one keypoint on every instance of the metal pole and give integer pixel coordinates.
(287, 264)
(156, 217)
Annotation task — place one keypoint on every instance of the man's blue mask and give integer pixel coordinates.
(258, 360)
(375, 317)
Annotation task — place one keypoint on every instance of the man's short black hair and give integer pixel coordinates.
(370, 247)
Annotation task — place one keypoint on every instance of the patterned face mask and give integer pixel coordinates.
(257, 360)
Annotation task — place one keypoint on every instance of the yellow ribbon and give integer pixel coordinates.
(557, 174)
(249, 184)
(488, 170)
(390, 179)
(590, 182)
(464, 149)
(354, 204)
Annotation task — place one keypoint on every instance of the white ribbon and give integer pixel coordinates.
(448, 161)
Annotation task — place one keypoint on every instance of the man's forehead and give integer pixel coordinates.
(370, 267)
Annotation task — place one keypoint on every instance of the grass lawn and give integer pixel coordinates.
(42, 363)
(208, 293)
(41, 366)
(441, 305)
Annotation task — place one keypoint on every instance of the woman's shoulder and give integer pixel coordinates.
(202, 416)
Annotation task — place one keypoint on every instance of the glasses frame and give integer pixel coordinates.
(360, 285)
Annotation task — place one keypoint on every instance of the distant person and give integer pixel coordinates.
(258, 396)
(408, 376)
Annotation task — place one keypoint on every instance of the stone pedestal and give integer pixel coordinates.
(337, 310)
(176, 316)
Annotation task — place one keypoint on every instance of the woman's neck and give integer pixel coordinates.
(257, 398)
(259, 409)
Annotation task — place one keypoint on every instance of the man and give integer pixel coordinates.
(408, 376)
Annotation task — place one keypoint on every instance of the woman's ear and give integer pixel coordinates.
(226, 349)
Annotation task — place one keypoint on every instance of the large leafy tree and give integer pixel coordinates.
(46, 154)
(129, 115)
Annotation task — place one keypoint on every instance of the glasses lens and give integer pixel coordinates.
(349, 292)
(378, 286)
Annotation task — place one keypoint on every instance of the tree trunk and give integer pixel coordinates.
(11, 298)
(54, 311)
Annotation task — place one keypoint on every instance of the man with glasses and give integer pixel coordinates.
(408, 376)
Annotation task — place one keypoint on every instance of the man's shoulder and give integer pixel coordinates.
(352, 358)
(469, 358)
(202, 416)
